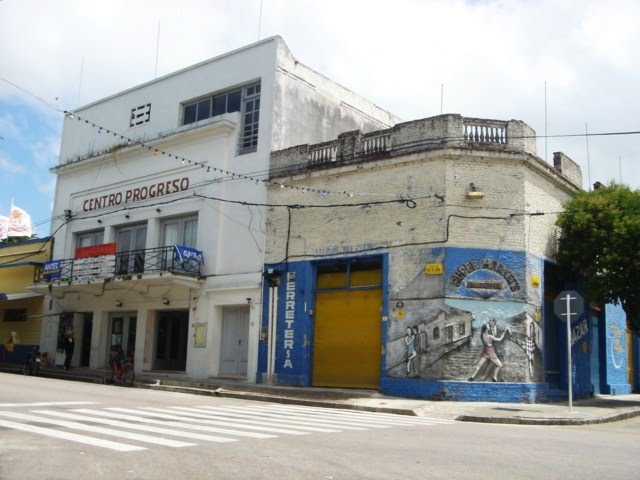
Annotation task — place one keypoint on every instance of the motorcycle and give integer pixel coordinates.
(31, 365)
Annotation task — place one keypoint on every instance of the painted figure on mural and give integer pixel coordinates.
(488, 336)
(412, 353)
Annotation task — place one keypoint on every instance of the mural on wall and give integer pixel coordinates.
(617, 339)
(481, 334)
(488, 336)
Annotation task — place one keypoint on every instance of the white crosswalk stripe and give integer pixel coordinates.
(378, 417)
(135, 428)
(327, 419)
(120, 447)
(291, 424)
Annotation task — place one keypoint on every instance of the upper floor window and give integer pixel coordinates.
(245, 100)
(88, 239)
(251, 117)
(180, 231)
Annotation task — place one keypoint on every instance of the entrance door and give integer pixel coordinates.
(235, 341)
(123, 333)
(171, 340)
(348, 333)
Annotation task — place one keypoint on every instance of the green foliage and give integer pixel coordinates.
(600, 241)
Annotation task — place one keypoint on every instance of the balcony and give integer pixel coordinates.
(176, 260)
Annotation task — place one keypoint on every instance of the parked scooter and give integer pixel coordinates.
(31, 365)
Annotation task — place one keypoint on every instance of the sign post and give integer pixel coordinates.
(569, 306)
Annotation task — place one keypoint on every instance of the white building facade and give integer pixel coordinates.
(160, 209)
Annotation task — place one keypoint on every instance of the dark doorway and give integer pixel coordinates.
(85, 351)
(171, 340)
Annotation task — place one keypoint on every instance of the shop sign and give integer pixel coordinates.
(289, 318)
(52, 269)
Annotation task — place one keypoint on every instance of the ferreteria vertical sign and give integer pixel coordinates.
(289, 318)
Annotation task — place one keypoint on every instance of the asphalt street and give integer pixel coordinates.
(57, 429)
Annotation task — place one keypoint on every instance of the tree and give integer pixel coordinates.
(600, 242)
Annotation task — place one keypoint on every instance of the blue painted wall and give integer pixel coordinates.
(518, 303)
(616, 351)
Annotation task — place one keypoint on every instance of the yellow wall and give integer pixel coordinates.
(15, 276)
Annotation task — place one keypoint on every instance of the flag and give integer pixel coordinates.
(4, 227)
(19, 223)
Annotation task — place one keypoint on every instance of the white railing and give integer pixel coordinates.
(477, 132)
(320, 155)
(380, 143)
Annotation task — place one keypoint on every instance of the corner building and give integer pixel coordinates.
(159, 209)
(418, 260)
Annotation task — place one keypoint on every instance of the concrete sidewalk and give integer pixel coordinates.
(599, 409)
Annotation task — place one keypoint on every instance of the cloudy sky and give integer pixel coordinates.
(565, 67)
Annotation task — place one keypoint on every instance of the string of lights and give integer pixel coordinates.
(130, 142)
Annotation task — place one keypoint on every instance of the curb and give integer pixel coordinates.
(264, 397)
(549, 421)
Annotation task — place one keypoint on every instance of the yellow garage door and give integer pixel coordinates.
(347, 338)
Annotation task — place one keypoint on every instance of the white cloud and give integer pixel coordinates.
(10, 167)
(490, 58)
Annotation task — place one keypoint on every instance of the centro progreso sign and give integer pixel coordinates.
(136, 194)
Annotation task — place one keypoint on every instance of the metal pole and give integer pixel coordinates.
(569, 373)
(586, 136)
(546, 136)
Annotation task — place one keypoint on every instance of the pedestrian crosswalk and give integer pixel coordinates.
(139, 428)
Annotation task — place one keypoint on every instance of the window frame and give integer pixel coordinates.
(182, 222)
(249, 109)
(94, 234)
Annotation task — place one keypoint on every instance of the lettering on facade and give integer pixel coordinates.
(579, 331)
(472, 266)
(289, 318)
(136, 194)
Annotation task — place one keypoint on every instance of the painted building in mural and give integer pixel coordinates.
(21, 317)
(159, 212)
(417, 260)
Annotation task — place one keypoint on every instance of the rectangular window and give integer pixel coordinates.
(180, 231)
(245, 100)
(448, 333)
(15, 315)
(461, 328)
(89, 239)
(249, 139)
(204, 109)
(190, 113)
(131, 241)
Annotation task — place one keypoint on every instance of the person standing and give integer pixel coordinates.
(68, 345)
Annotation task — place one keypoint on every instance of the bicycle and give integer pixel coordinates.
(124, 375)
(32, 363)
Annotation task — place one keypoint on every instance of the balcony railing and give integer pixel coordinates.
(170, 259)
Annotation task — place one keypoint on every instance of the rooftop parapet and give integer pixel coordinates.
(443, 131)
